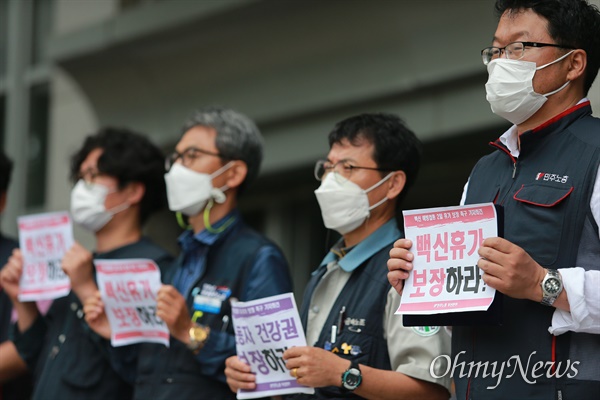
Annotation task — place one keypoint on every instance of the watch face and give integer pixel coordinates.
(552, 286)
(199, 334)
(352, 379)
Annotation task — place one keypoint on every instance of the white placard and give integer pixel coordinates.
(128, 288)
(44, 239)
(264, 329)
(445, 277)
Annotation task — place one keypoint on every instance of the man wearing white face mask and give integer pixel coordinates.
(357, 347)
(119, 184)
(543, 60)
(222, 259)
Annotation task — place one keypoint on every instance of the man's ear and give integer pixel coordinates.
(135, 192)
(236, 174)
(396, 184)
(2, 202)
(577, 64)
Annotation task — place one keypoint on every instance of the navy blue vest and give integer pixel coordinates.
(174, 373)
(546, 196)
(364, 296)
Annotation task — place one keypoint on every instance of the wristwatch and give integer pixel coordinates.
(551, 287)
(352, 378)
(198, 337)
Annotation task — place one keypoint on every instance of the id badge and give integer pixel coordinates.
(211, 298)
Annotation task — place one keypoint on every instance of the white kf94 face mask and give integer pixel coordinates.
(510, 88)
(188, 191)
(344, 204)
(87, 205)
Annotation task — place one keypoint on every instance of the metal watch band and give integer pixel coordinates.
(549, 300)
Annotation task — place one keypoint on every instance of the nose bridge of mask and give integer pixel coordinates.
(95, 190)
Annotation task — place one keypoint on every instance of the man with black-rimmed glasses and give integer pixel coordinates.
(357, 347)
(543, 60)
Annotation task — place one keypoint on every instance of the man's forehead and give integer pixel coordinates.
(91, 161)
(521, 25)
(345, 150)
(198, 136)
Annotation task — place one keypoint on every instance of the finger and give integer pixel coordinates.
(165, 307)
(164, 302)
(237, 364)
(165, 316)
(491, 254)
(399, 265)
(12, 275)
(402, 254)
(396, 280)
(167, 289)
(293, 352)
(91, 315)
(490, 268)
(493, 282)
(403, 243)
(239, 376)
(235, 385)
(500, 244)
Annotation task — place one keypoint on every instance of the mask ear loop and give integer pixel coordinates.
(380, 202)
(181, 221)
(207, 223)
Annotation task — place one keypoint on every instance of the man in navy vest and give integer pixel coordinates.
(544, 57)
(357, 347)
(217, 157)
(11, 364)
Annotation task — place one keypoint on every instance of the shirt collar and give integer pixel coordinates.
(381, 238)
(188, 240)
(510, 138)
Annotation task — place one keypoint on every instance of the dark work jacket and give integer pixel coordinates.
(69, 360)
(174, 373)
(19, 388)
(364, 296)
(546, 198)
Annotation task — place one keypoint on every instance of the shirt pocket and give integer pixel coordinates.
(84, 365)
(539, 220)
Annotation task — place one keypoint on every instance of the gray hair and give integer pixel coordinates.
(238, 137)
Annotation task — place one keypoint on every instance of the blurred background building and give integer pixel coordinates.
(68, 67)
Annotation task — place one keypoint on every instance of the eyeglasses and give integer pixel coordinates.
(514, 50)
(88, 176)
(342, 167)
(188, 156)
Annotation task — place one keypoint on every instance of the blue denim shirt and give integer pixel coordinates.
(269, 275)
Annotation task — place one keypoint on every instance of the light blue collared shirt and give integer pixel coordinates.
(382, 237)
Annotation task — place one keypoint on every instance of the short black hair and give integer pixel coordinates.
(129, 157)
(396, 148)
(6, 167)
(573, 23)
